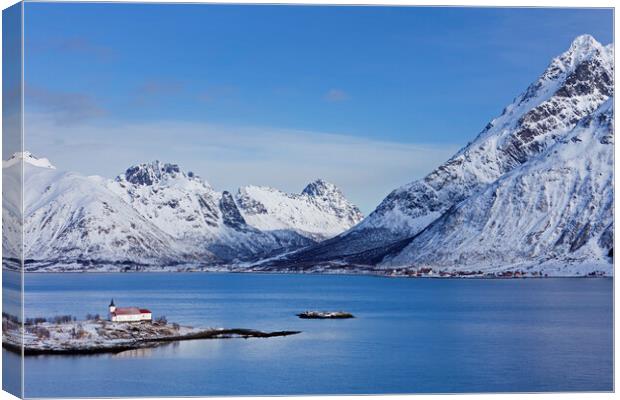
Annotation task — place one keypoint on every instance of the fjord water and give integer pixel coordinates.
(409, 335)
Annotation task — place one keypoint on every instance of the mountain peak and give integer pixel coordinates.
(153, 172)
(585, 41)
(583, 47)
(320, 212)
(29, 158)
(320, 187)
(585, 69)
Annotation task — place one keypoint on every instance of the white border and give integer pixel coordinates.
(472, 3)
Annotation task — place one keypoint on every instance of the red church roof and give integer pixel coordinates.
(130, 311)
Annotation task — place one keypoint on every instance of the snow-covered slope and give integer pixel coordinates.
(552, 214)
(574, 85)
(321, 211)
(75, 221)
(12, 213)
(179, 204)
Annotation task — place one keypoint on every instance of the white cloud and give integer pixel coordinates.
(229, 157)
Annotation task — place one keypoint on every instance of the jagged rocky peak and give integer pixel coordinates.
(321, 188)
(590, 62)
(583, 47)
(584, 55)
(150, 173)
(573, 86)
(29, 158)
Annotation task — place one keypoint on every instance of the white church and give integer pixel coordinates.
(128, 314)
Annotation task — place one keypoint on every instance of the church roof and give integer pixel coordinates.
(130, 311)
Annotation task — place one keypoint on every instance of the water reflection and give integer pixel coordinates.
(135, 353)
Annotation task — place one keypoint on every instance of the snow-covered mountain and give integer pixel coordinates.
(73, 220)
(321, 211)
(152, 215)
(573, 87)
(552, 214)
(192, 212)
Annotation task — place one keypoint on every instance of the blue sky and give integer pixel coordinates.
(368, 97)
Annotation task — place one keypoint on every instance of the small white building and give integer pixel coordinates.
(129, 314)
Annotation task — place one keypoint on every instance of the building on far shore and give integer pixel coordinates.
(129, 314)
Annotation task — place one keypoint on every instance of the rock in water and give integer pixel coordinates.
(325, 315)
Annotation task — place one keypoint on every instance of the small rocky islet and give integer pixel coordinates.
(325, 315)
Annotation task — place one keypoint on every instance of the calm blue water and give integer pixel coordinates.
(410, 335)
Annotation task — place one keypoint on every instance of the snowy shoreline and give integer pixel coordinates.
(99, 336)
(368, 274)
(588, 270)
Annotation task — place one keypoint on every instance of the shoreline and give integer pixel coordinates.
(368, 274)
(40, 347)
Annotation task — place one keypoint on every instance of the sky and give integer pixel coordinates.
(369, 98)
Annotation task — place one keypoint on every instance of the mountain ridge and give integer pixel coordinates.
(319, 212)
(153, 213)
